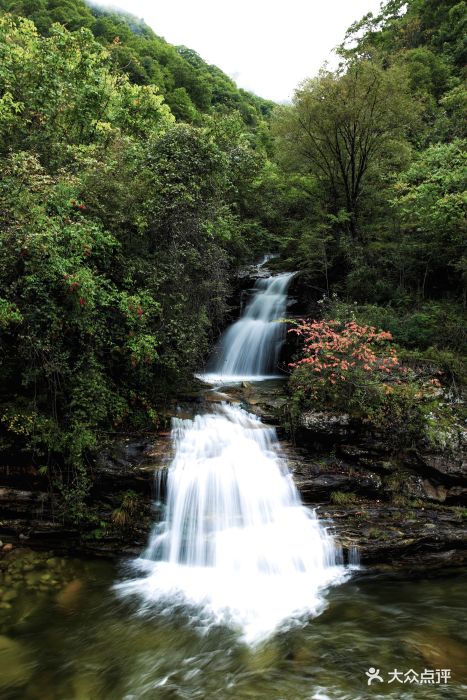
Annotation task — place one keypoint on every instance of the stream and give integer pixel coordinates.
(241, 591)
(85, 642)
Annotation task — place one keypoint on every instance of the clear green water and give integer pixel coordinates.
(67, 637)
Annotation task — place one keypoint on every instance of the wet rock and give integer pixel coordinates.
(68, 598)
(53, 562)
(122, 454)
(440, 651)
(321, 487)
(354, 452)
(126, 464)
(417, 541)
(32, 579)
(456, 494)
(15, 666)
(403, 507)
(446, 464)
(251, 273)
(326, 423)
(17, 501)
(216, 397)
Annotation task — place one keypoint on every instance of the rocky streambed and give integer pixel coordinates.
(403, 511)
(64, 632)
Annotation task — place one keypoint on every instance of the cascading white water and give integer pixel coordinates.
(249, 348)
(236, 542)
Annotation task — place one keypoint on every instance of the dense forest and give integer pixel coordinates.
(136, 179)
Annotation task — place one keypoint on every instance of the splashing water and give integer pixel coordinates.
(237, 544)
(249, 349)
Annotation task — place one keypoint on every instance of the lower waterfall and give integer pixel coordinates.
(236, 544)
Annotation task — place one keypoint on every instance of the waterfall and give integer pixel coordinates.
(249, 348)
(236, 543)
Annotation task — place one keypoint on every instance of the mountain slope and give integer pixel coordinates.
(190, 86)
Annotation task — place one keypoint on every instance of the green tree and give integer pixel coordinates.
(111, 215)
(182, 106)
(344, 127)
(431, 204)
(66, 92)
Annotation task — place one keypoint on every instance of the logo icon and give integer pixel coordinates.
(373, 675)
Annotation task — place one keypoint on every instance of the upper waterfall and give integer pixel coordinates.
(250, 347)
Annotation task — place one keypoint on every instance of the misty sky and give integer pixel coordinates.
(267, 46)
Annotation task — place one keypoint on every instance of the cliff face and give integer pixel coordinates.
(401, 509)
(31, 516)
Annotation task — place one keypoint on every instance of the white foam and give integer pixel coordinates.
(237, 543)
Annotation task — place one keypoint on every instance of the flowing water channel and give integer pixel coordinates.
(241, 592)
(236, 544)
(92, 644)
(249, 349)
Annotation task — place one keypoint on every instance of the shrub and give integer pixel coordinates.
(343, 363)
(354, 368)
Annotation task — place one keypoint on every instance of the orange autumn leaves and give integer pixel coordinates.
(336, 352)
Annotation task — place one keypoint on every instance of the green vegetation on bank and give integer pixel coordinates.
(120, 226)
(348, 367)
(376, 152)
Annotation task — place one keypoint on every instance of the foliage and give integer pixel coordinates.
(431, 199)
(381, 142)
(417, 327)
(341, 498)
(343, 127)
(438, 25)
(348, 367)
(340, 354)
(190, 86)
(125, 515)
(111, 214)
(135, 178)
(343, 363)
(64, 93)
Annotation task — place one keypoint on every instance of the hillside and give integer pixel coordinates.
(136, 180)
(189, 85)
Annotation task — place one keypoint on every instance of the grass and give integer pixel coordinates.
(340, 498)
